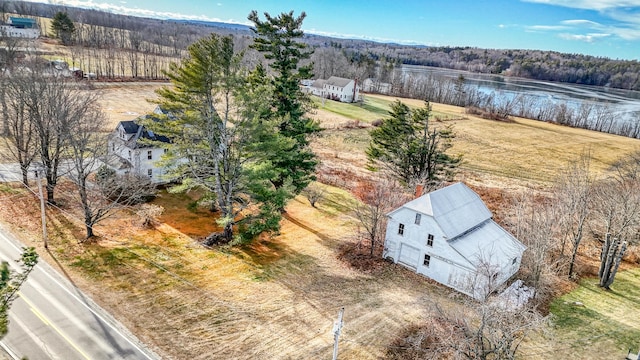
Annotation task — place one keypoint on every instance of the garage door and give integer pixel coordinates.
(409, 256)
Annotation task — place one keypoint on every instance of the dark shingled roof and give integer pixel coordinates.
(130, 127)
(140, 132)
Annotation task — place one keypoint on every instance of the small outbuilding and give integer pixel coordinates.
(449, 235)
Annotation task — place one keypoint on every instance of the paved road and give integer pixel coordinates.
(52, 319)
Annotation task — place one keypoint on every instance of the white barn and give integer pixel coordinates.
(129, 154)
(449, 235)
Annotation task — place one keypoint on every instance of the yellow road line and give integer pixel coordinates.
(46, 321)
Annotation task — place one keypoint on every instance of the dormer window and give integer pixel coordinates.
(418, 218)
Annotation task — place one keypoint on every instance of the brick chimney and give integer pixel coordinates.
(419, 189)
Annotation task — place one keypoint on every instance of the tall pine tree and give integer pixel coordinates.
(276, 39)
(221, 140)
(63, 27)
(409, 148)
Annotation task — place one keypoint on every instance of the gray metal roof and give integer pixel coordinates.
(488, 243)
(338, 81)
(456, 208)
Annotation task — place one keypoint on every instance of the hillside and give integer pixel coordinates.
(278, 298)
(532, 64)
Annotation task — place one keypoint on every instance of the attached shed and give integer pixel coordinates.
(449, 235)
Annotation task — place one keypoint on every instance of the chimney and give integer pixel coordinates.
(419, 189)
(355, 86)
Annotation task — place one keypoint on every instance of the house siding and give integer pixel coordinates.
(416, 236)
(137, 157)
(458, 262)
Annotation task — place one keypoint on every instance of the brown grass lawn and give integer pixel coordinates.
(275, 299)
(126, 101)
(278, 298)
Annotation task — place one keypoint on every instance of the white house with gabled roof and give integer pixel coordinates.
(449, 235)
(341, 89)
(334, 88)
(133, 149)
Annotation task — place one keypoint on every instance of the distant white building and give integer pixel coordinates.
(449, 236)
(20, 28)
(335, 88)
(341, 89)
(129, 154)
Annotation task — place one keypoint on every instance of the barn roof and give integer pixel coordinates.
(21, 22)
(456, 208)
(488, 243)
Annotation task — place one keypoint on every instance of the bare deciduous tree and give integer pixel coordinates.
(573, 192)
(20, 133)
(377, 199)
(314, 192)
(491, 329)
(54, 104)
(618, 214)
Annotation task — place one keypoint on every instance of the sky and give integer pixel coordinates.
(607, 28)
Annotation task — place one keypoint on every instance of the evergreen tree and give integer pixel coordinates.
(62, 27)
(276, 39)
(221, 140)
(406, 146)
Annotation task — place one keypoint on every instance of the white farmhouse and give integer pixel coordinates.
(128, 154)
(334, 88)
(341, 89)
(449, 236)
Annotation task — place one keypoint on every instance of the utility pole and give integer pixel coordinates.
(337, 327)
(42, 210)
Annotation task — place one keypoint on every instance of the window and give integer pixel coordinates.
(418, 218)
(430, 240)
(166, 151)
(150, 173)
(149, 154)
(129, 154)
(427, 260)
(401, 229)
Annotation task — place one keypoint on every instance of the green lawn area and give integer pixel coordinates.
(597, 323)
(372, 108)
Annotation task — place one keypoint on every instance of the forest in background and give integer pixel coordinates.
(171, 37)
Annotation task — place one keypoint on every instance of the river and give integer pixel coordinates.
(625, 104)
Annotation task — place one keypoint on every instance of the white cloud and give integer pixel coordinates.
(546, 27)
(580, 22)
(597, 5)
(586, 38)
(121, 9)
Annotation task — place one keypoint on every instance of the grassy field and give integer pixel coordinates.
(524, 152)
(278, 298)
(595, 321)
